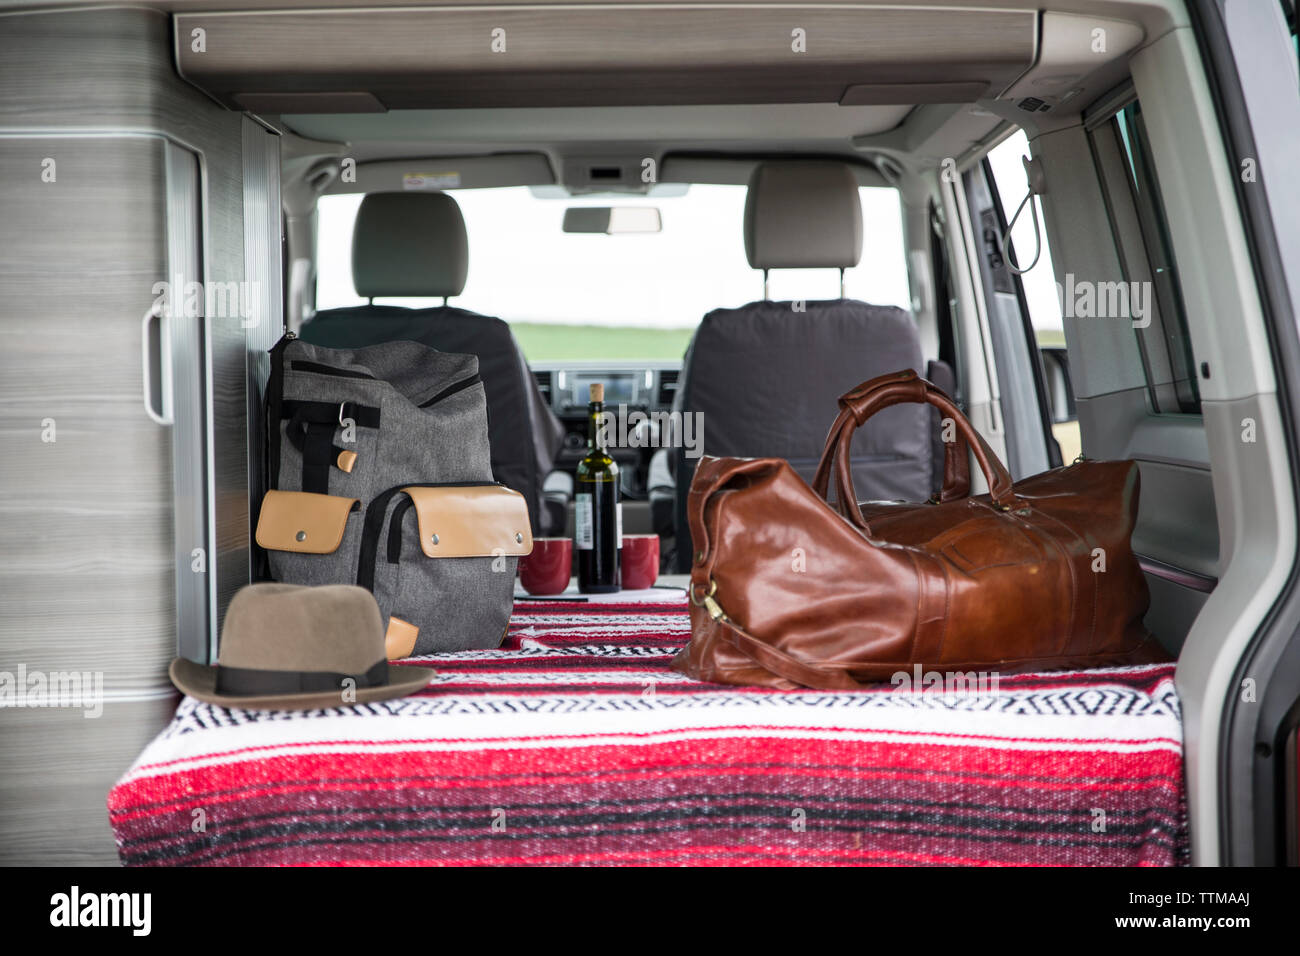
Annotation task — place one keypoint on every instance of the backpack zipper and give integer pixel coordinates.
(452, 389)
(301, 365)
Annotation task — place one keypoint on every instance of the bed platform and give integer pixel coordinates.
(576, 744)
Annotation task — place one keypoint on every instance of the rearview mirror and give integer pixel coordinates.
(612, 220)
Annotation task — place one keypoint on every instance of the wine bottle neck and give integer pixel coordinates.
(594, 412)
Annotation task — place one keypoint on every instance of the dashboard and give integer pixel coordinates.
(644, 386)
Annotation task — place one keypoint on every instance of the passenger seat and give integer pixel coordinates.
(767, 377)
(415, 244)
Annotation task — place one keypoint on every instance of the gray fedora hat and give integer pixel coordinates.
(289, 647)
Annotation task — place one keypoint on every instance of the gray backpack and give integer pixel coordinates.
(380, 475)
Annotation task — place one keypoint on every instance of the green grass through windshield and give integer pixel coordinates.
(544, 342)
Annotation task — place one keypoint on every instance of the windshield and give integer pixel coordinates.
(570, 296)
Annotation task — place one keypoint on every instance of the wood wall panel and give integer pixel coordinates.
(88, 548)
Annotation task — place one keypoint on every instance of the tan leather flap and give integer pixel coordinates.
(399, 640)
(302, 522)
(473, 521)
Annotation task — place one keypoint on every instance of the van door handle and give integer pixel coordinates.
(156, 353)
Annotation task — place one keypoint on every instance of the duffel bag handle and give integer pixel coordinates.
(859, 404)
(956, 463)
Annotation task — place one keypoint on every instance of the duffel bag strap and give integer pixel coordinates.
(766, 656)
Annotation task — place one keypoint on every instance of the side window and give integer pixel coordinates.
(1042, 298)
(1136, 210)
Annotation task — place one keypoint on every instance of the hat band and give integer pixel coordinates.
(250, 682)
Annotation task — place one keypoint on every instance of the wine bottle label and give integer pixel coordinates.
(582, 525)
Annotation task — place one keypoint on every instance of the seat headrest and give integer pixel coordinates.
(803, 214)
(409, 244)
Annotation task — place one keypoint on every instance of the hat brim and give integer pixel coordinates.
(200, 682)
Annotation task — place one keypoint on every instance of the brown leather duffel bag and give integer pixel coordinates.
(787, 593)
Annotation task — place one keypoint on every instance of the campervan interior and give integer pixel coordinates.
(567, 191)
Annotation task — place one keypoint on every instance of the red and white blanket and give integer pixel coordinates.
(576, 744)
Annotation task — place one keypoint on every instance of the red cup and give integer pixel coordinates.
(547, 569)
(639, 561)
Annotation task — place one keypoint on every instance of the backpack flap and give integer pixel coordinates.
(302, 522)
(471, 521)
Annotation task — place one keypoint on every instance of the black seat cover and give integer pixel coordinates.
(766, 376)
(767, 379)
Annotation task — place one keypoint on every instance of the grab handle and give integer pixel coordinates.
(156, 352)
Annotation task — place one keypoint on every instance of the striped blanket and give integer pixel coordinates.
(576, 744)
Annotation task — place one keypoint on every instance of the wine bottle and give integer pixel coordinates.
(598, 515)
